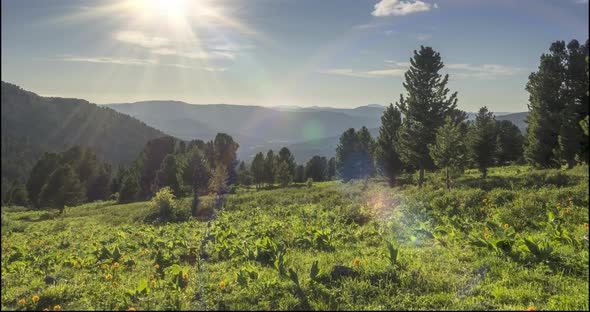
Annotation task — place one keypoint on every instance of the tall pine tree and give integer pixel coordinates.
(482, 140)
(425, 107)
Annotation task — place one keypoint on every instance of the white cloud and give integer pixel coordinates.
(187, 49)
(459, 71)
(117, 60)
(215, 69)
(582, 1)
(485, 71)
(398, 7)
(108, 60)
(140, 39)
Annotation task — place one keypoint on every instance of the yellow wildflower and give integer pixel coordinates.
(151, 276)
(586, 225)
(356, 261)
(153, 283)
(22, 302)
(485, 200)
(115, 265)
(105, 266)
(115, 284)
(131, 309)
(109, 277)
(46, 309)
(57, 308)
(35, 298)
(111, 259)
(222, 285)
(156, 266)
(185, 276)
(506, 225)
(531, 308)
(487, 235)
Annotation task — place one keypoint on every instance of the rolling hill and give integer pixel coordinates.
(32, 125)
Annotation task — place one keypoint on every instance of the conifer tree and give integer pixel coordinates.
(425, 107)
(167, 175)
(62, 188)
(388, 157)
(448, 151)
(257, 169)
(482, 140)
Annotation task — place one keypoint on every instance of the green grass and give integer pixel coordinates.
(462, 249)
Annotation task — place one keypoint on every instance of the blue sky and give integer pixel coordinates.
(340, 53)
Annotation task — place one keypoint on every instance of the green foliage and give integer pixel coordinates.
(388, 156)
(167, 175)
(309, 182)
(509, 143)
(62, 188)
(482, 140)
(425, 107)
(254, 253)
(317, 169)
(448, 151)
(558, 102)
(354, 155)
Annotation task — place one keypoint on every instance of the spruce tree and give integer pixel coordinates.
(448, 151)
(167, 175)
(482, 140)
(269, 168)
(425, 108)
(257, 169)
(365, 150)
(331, 169)
(62, 188)
(299, 174)
(388, 157)
(286, 156)
(509, 143)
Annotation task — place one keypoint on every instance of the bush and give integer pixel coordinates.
(167, 208)
(309, 182)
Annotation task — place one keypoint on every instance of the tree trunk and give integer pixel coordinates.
(484, 172)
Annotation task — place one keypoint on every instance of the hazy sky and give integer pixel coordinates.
(341, 53)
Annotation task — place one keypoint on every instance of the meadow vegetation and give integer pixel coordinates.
(516, 240)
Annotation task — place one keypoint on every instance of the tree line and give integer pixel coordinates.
(423, 131)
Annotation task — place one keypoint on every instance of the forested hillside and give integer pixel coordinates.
(33, 124)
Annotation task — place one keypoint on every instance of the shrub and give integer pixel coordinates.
(167, 208)
(309, 182)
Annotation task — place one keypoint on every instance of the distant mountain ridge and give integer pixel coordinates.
(307, 131)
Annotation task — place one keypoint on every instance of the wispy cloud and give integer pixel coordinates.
(118, 61)
(582, 1)
(459, 71)
(363, 74)
(397, 7)
(187, 49)
(140, 39)
(108, 60)
(485, 71)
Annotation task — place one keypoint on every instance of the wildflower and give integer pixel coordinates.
(109, 277)
(111, 259)
(222, 285)
(558, 205)
(184, 276)
(152, 276)
(485, 200)
(105, 266)
(586, 225)
(35, 298)
(22, 302)
(153, 283)
(57, 308)
(46, 309)
(506, 225)
(156, 266)
(115, 265)
(567, 211)
(487, 235)
(115, 284)
(356, 261)
(131, 309)
(531, 308)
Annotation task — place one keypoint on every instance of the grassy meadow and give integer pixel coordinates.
(516, 240)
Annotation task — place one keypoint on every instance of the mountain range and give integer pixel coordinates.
(306, 131)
